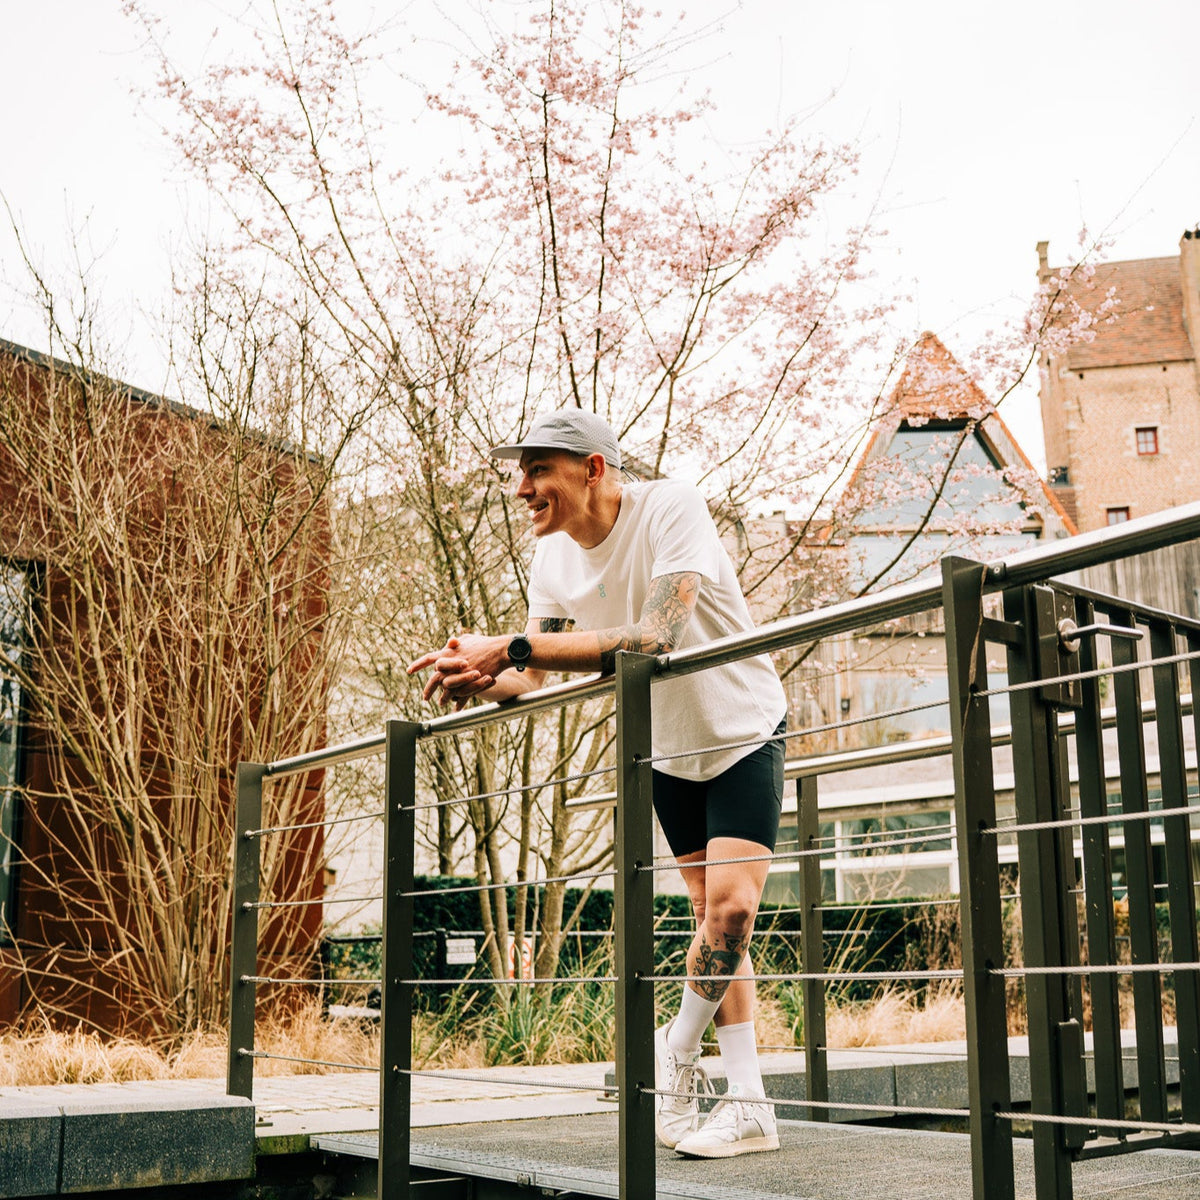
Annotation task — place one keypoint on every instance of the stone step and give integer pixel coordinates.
(91, 1143)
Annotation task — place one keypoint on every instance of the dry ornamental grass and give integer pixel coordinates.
(44, 1055)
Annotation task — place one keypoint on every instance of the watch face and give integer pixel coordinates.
(519, 650)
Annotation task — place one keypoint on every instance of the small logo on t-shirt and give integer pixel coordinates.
(603, 593)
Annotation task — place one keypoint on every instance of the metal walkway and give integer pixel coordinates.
(578, 1156)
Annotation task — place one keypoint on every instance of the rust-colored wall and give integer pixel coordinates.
(66, 922)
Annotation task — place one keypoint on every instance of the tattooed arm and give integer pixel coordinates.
(471, 665)
(665, 613)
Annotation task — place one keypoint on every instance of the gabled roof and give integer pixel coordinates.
(46, 362)
(164, 404)
(934, 387)
(1149, 325)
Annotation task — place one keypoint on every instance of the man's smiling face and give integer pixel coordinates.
(554, 488)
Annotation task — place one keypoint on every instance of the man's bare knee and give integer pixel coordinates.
(733, 915)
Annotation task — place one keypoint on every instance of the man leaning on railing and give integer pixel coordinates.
(639, 566)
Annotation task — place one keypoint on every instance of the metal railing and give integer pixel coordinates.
(1054, 692)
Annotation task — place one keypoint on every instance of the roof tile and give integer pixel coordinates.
(1149, 324)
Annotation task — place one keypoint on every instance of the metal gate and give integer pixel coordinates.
(1089, 858)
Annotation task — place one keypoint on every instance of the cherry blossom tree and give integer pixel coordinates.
(578, 240)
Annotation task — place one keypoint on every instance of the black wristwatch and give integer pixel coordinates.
(519, 651)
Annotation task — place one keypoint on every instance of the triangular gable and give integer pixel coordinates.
(935, 392)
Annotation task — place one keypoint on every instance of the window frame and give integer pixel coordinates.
(11, 794)
(1147, 447)
(1112, 514)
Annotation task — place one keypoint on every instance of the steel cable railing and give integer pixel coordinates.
(1120, 818)
(1010, 689)
(871, 840)
(796, 855)
(808, 731)
(519, 789)
(835, 1105)
(868, 841)
(636, 870)
(255, 833)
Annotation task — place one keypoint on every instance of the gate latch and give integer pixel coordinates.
(1059, 638)
(1070, 634)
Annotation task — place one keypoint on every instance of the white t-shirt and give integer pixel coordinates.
(664, 527)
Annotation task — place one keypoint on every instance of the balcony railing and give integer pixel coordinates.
(1048, 633)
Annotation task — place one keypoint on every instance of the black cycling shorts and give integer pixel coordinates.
(744, 801)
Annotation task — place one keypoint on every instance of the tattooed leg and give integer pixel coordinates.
(723, 962)
(726, 897)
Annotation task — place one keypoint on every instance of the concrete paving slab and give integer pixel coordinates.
(293, 1106)
(132, 1145)
(939, 1083)
(30, 1135)
(82, 1138)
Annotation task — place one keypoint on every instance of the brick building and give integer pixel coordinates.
(1121, 412)
(164, 582)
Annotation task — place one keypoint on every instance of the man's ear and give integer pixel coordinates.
(596, 468)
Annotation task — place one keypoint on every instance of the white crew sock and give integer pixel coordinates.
(691, 1021)
(739, 1054)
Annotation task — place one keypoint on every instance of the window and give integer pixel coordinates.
(890, 832)
(13, 600)
(918, 459)
(1117, 515)
(1147, 439)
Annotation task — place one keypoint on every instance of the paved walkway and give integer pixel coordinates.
(578, 1155)
(286, 1106)
(291, 1105)
(309, 1104)
(480, 1120)
(348, 1101)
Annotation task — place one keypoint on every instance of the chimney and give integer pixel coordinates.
(1189, 269)
(1043, 252)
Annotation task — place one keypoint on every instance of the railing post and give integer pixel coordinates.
(1048, 913)
(1177, 855)
(243, 942)
(979, 873)
(1097, 882)
(812, 948)
(633, 897)
(1139, 877)
(1192, 639)
(396, 988)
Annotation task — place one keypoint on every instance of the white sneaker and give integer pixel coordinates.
(736, 1126)
(676, 1116)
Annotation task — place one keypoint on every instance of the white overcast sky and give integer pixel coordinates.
(985, 128)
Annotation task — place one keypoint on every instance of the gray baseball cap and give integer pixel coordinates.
(573, 429)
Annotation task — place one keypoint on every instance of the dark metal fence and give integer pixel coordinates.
(1066, 830)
